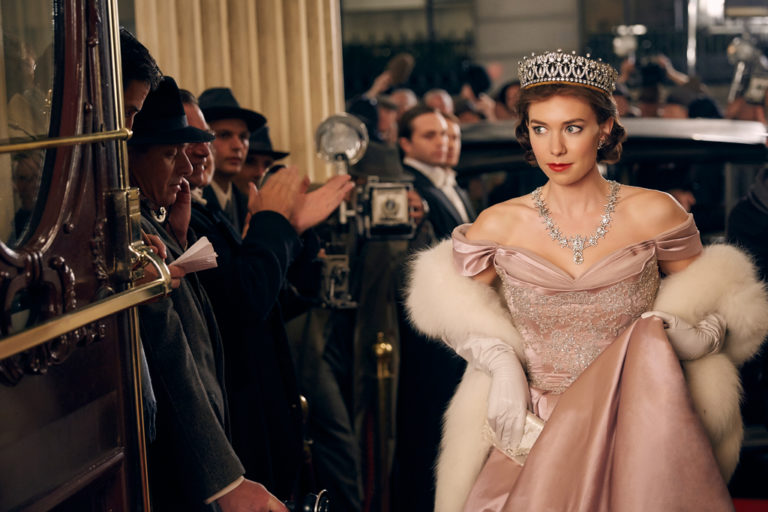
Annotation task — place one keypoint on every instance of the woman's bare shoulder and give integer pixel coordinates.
(652, 211)
(498, 223)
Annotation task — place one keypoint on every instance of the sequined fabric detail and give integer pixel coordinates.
(565, 331)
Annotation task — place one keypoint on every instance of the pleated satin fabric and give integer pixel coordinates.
(623, 437)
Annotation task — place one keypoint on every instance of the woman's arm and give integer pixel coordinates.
(656, 212)
(493, 224)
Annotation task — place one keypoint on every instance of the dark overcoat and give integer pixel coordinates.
(191, 457)
(261, 381)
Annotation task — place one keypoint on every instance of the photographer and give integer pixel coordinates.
(335, 343)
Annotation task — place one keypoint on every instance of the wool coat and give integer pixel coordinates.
(191, 457)
(261, 381)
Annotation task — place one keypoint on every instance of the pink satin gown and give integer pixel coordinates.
(621, 431)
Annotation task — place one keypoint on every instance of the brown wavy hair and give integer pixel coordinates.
(602, 104)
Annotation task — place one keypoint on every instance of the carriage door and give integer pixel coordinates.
(71, 429)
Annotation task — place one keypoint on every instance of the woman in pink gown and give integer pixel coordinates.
(580, 331)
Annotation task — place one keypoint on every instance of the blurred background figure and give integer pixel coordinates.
(260, 158)
(623, 98)
(404, 99)
(474, 88)
(506, 101)
(439, 99)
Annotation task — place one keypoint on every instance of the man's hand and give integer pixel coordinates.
(278, 194)
(313, 208)
(416, 207)
(487, 106)
(155, 243)
(380, 84)
(150, 274)
(181, 213)
(250, 496)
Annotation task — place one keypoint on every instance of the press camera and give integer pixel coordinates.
(378, 208)
(311, 503)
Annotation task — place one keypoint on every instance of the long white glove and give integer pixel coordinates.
(692, 341)
(509, 398)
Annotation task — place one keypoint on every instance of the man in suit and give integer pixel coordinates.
(261, 157)
(232, 126)
(424, 141)
(253, 269)
(191, 461)
(429, 374)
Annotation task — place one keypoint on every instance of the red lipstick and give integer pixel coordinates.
(558, 167)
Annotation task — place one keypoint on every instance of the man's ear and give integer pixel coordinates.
(405, 145)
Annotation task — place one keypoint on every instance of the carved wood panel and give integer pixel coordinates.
(71, 432)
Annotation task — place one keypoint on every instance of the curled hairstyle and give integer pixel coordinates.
(602, 104)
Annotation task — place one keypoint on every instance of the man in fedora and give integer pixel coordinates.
(261, 157)
(233, 126)
(191, 461)
(253, 269)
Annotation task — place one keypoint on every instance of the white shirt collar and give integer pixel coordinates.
(439, 176)
(197, 196)
(221, 195)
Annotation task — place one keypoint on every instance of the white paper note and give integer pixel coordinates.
(200, 256)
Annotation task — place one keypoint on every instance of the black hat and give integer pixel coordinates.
(219, 103)
(162, 119)
(261, 144)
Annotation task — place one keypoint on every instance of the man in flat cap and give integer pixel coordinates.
(191, 461)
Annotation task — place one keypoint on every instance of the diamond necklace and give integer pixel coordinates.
(579, 242)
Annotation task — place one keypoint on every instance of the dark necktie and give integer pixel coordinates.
(231, 212)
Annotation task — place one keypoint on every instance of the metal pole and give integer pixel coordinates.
(690, 54)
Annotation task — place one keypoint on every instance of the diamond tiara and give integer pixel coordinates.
(563, 68)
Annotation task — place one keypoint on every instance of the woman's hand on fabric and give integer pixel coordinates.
(509, 397)
(692, 341)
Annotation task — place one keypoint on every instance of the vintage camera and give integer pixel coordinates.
(311, 503)
(334, 288)
(755, 89)
(383, 208)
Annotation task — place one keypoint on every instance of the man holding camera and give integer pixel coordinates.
(258, 242)
(428, 373)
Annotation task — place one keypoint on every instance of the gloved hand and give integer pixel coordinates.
(509, 398)
(692, 341)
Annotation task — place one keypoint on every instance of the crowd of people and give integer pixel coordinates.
(233, 355)
(227, 372)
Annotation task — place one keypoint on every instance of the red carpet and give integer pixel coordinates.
(742, 505)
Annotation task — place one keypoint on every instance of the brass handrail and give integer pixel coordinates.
(121, 134)
(46, 331)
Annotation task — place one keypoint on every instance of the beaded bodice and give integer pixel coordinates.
(567, 322)
(564, 332)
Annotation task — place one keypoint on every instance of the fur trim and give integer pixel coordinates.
(462, 450)
(721, 279)
(737, 294)
(441, 303)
